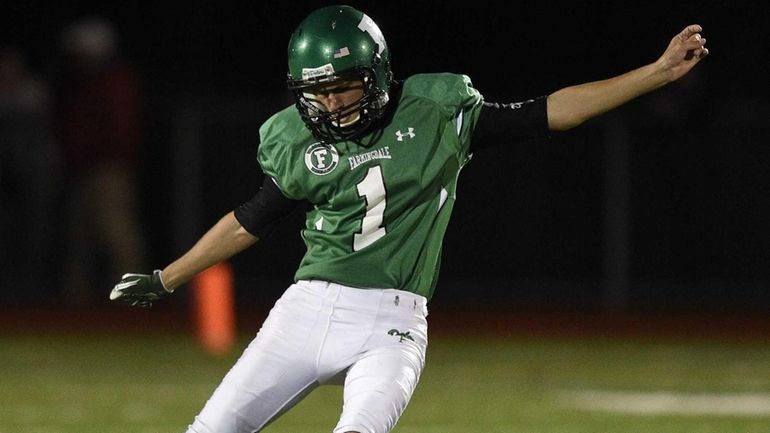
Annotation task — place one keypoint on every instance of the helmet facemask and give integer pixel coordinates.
(328, 126)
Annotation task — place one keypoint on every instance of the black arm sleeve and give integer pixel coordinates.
(500, 124)
(268, 207)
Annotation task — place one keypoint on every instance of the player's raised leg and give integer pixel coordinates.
(380, 384)
(274, 373)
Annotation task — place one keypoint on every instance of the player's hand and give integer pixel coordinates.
(684, 52)
(139, 290)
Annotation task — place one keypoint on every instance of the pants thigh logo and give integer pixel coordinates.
(401, 335)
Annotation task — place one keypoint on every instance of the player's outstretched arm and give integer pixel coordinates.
(225, 239)
(573, 105)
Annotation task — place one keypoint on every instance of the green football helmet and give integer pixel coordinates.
(339, 43)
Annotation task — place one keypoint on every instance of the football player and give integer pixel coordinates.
(378, 161)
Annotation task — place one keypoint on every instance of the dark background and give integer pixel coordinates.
(532, 226)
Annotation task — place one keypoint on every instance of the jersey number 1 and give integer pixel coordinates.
(372, 189)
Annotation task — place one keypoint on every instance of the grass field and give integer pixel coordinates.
(155, 383)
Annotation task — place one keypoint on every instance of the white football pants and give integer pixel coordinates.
(371, 340)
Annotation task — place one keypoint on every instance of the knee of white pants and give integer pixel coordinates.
(198, 427)
(353, 429)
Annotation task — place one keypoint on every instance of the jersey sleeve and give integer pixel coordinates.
(466, 112)
(276, 151)
(459, 102)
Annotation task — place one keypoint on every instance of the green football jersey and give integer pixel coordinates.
(380, 205)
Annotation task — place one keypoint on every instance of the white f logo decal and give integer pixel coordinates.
(319, 158)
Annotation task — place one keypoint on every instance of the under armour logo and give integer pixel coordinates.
(400, 135)
(402, 335)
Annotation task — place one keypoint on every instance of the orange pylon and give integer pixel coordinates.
(215, 308)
